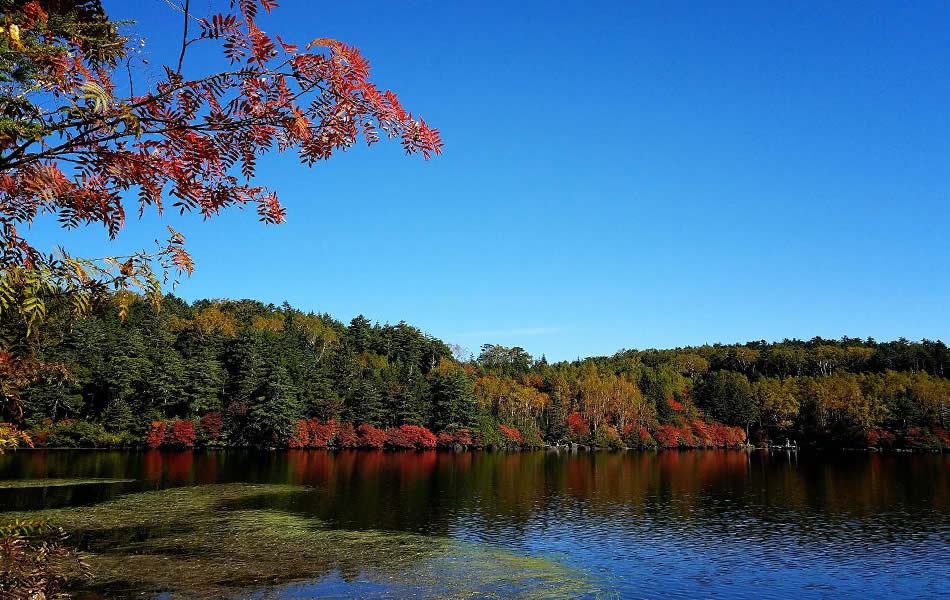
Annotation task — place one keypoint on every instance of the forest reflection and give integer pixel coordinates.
(430, 492)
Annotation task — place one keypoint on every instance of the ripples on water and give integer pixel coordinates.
(697, 524)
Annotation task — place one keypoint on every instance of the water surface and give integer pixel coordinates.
(711, 524)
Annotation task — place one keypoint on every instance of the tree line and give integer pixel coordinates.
(242, 373)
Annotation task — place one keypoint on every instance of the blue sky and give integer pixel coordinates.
(616, 174)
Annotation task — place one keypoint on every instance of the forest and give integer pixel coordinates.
(219, 373)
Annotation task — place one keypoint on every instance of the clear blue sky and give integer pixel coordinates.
(616, 174)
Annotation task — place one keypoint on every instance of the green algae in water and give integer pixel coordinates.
(235, 539)
(57, 482)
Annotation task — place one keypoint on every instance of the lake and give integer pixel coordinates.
(369, 524)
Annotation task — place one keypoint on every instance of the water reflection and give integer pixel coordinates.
(696, 522)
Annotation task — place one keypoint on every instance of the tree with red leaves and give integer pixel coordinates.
(182, 434)
(577, 427)
(212, 424)
(155, 435)
(77, 140)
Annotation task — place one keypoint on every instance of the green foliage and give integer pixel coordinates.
(80, 434)
(727, 396)
(263, 368)
(607, 437)
(453, 399)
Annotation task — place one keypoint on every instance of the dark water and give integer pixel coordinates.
(697, 524)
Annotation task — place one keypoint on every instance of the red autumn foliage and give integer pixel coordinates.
(880, 438)
(211, 426)
(675, 405)
(346, 437)
(701, 434)
(577, 426)
(666, 436)
(511, 433)
(155, 434)
(397, 438)
(321, 434)
(726, 437)
(912, 438)
(370, 437)
(941, 434)
(406, 437)
(300, 438)
(419, 437)
(463, 436)
(449, 439)
(686, 437)
(182, 434)
(644, 434)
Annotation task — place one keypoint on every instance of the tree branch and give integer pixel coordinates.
(184, 38)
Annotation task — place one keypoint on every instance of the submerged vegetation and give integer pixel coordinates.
(221, 373)
(58, 482)
(174, 540)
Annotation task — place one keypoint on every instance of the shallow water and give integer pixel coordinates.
(710, 524)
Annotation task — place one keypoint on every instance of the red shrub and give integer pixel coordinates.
(397, 438)
(941, 434)
(346, 436)
(370, 437)
(419, 437)
(912, 436)
(686, 437)
(702, 435)
(577, 427)
(448, 439)
(666, 436)
(880, 438)
(321, 434)
(182, 434)
(644, 434)
(211, 425)
(155, 434)
(511, 434)
(674, 404)
(300, 437)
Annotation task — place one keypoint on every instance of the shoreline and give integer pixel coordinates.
(555, 449)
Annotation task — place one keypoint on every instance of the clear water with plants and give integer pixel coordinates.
(533, 525)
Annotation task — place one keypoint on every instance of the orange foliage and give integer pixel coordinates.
(511, 433)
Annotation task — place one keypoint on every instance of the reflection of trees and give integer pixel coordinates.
(435, 492)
